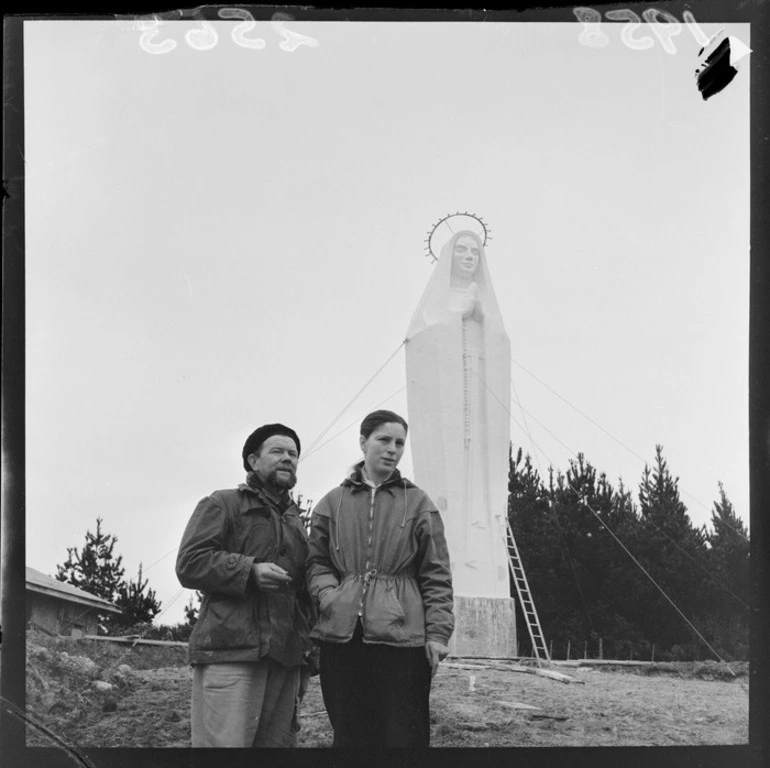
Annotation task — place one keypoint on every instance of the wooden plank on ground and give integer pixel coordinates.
(516, 705)
(615, 663)
(504, 667)
(135, 640)
(562, 678)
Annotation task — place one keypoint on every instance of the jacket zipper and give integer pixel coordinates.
(370, 572)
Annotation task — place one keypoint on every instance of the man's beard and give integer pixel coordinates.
(282, 481)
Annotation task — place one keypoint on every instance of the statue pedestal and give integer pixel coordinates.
(485, 628)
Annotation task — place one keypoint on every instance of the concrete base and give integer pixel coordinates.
(485, 628)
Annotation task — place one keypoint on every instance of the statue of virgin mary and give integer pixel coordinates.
(458, 366)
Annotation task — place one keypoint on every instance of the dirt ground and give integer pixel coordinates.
(148, 704)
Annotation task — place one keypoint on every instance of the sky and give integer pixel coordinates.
(221, 238)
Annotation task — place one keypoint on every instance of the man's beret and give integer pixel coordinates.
(258, 436)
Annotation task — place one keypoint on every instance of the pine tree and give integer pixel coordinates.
(528, 510)
(730, 535)
(94, 568)
(674, 553)
(622, 581)
(523, 479)
(730, 591)
(622, 516)
(192, 609)
(137, 606)
(528, 514)
(582, 499)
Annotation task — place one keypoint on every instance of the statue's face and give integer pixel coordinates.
(465, 256)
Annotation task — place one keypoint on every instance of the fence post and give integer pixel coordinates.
(585, 649)
(568, 648)
(550, 649)
(653, 652)
(601, 650)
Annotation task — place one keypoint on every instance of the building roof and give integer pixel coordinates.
(47, 585)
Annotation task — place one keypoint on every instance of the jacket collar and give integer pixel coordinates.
(254, 485)
(354, 479)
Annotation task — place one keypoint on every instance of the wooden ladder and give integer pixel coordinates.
(525, 598)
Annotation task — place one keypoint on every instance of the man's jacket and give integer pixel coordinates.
(380, 554)
(229, 531)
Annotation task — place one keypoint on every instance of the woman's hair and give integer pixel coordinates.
(377, 419)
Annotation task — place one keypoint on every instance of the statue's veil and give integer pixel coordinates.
(458, 374)
(435, 300)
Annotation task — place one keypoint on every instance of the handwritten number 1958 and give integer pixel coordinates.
(594, 37)
(205, 38)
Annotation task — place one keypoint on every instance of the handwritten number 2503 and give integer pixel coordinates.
(205, 38)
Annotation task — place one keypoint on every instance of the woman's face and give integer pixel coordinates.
(465, 256)
(383, 449)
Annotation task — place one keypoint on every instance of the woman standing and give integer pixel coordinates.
(379, 569)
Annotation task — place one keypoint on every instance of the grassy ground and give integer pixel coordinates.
(148, 705)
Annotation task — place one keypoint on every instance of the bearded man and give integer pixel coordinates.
(245, 550)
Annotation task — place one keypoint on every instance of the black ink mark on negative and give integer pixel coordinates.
(717, 71)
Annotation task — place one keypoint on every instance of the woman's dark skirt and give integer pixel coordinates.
(375, 694)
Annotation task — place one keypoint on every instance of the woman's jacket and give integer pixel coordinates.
(380, 553)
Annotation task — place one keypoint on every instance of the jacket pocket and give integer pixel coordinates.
(226, 623)
(326, 598)
(384, 615)
(411, 599)
(338, 611)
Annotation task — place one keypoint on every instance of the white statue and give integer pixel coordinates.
(458, 366)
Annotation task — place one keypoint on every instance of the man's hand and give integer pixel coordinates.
(435, 652)
(270, 577)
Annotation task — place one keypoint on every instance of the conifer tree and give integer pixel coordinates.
(586, 586)
(528, 512)
(138, 606)
(730, 537)
(529, 516)
(730, 590)
(94, 569)
(582, 498)
(674, 553)
(622, 516)
(192, 609)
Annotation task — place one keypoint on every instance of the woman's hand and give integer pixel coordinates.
(435, 652)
